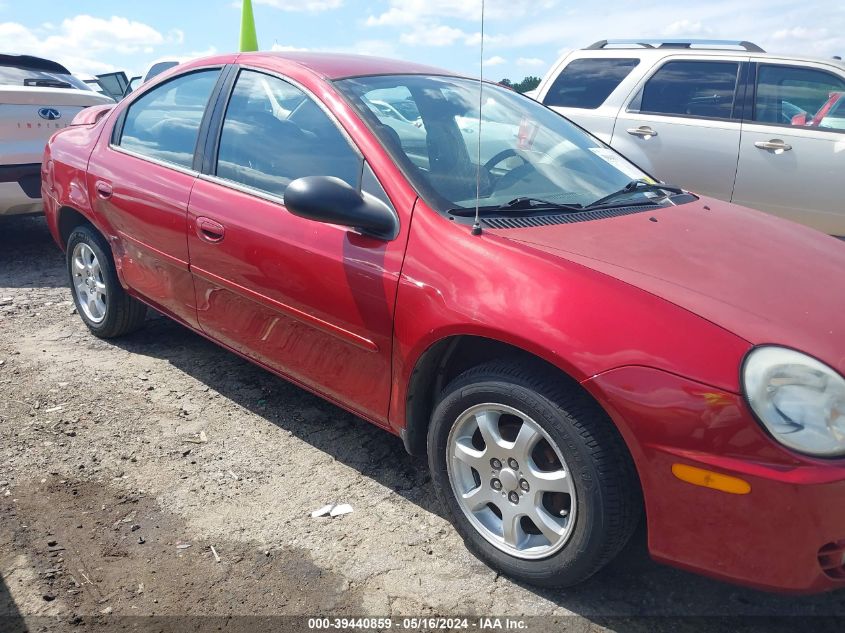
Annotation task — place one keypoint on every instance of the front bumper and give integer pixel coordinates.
(20, 189)
(787, 534)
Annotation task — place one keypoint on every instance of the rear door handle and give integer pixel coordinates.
(209, 230)
(643, 131)
(775, 145)
(104, 189)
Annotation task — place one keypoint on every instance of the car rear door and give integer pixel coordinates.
(140, 178)
(683, 123)
(789, 164)
(309, 300)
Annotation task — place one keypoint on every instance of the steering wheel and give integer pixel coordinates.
(514, 175)
(498, 158)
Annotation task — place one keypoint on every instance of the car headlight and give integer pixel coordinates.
(800, 400)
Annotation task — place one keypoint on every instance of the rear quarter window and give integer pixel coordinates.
(587, 83)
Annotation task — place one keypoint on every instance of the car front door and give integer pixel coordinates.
(683, 124)
(140, 179)
(309, 300)
(790, 164)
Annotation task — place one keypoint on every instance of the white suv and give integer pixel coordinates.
(722, 118)
(37, 97)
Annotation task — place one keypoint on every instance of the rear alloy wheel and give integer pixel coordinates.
(533, 472)
(88, 282)
(100, 300)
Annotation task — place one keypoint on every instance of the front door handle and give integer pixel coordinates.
(104, 189)
(210, 231)
(644, 132)
(775, 145)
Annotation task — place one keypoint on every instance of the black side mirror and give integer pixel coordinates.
(329, 199)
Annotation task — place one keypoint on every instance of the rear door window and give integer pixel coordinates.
(587, 83)
(793, 95)
(703, 89)
(164, 123)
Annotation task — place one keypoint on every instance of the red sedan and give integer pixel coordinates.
(596, 348)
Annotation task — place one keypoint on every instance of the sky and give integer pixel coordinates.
(522, 37)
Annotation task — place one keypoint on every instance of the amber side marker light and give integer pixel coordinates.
(709, 479)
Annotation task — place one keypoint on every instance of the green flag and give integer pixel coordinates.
(249, 40)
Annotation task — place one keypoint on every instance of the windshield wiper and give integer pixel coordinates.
(635, 186)
(523, 203)
(527, 202)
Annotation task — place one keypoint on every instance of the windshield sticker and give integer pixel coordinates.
(614, 159)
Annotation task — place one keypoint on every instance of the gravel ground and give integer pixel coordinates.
(123, 463)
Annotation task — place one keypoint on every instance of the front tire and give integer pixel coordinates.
(534, 474)
(100, 300)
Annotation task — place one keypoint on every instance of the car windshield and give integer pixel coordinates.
(15, 76)
(527, 150)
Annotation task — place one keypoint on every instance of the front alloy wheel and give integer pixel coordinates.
(511, 481)
(533, 472)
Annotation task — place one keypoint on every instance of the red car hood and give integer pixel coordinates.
(765, 279)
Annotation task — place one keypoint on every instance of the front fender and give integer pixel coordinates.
(577, 319)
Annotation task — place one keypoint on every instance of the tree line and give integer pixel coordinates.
(529, 83)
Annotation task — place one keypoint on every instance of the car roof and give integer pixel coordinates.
(658, 53)
(337, 65)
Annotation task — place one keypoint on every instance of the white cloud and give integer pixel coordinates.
(82, 42)
(208, 52)
(800, 33)
(814, 29)
(686, 27)
(424, 19)
(496, 60)
(530, 62)
(404, 12)
(433, 35)
(376, 48)
(474, 39)
(287, 49)
(310, 6)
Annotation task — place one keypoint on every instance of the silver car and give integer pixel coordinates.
(722, 118)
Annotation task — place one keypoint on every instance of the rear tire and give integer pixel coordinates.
(101, 301)
(549, 460)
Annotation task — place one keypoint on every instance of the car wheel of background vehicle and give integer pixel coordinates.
(100, 299)
(535, 475)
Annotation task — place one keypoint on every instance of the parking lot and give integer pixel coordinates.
(123, 463)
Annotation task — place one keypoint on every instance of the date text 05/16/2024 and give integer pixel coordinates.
(488, 624)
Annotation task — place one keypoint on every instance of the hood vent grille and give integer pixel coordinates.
(517, 222)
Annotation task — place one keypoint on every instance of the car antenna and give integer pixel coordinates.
(476, 227)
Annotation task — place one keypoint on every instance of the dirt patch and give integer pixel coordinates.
(77, 550)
